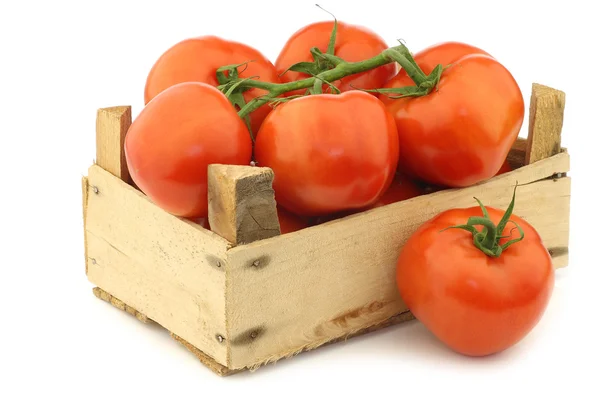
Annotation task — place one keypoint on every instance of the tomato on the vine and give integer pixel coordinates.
(473, 289)
(461, 132)
(329, 153)
(173, 140)
(353, 43)
(197, 60)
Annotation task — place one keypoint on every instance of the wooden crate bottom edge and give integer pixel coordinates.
(222, 370)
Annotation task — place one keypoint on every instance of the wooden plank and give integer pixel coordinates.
(167, 268)
(241, 203)
(545, 123)
(118, 303)
(328, 281)
(111, 127)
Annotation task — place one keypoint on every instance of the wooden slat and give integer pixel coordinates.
(328, 281)
(241, 203)
(168, 269)
(545, 123)
(84, 200)
(111, 127)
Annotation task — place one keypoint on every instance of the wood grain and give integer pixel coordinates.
(545, 123)
(111, 127)
(241, 203)
(328, 281)
(168, 269)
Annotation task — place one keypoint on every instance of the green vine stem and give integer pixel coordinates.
(400, 54)
(488, 239)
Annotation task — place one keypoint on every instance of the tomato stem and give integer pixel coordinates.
(400, 54)
(488, 239)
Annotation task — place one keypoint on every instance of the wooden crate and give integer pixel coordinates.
(248, 296)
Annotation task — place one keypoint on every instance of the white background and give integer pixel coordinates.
(61, 61)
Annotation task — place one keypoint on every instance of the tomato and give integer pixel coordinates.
(289, 222)
(504, 168)
(329, 152)
(402, 188)
(199, 58)
(460, 134)
(173, 140)
(353, 43)
(474, 303)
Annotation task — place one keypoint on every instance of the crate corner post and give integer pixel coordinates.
(241, 203)
(546, 114)
(112, 124)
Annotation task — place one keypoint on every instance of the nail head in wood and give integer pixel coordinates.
(220, 338)
(241, 203)
(546, 112)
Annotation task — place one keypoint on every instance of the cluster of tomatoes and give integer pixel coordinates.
(355, 149)
(331, 153)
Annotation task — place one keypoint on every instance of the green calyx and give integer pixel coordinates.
(488, 239)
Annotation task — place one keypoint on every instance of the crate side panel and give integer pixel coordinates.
(303, 289)
(169, 269)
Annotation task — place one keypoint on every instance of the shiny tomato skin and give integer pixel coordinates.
(402, 188)
(477, 305)
(461, 133)
(353, 43)
(197, 60)
(329, 153)
(504, 168)
(173, 140)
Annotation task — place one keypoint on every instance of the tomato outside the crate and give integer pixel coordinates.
(475, 303)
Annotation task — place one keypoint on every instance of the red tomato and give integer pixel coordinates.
(460, 134)
(504, 168)
(402, 188)
(173, 140)
(474, 303)
(353, 43)
(197, 60)
(289, 222)
(329, 152)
